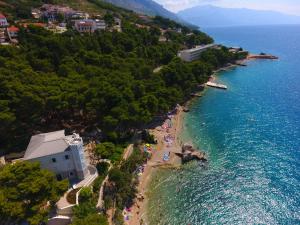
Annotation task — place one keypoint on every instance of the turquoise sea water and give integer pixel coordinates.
(251, 133)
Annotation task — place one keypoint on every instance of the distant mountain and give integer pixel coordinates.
(148, 7)
(212, 16)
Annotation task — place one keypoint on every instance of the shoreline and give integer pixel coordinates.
(139, 209)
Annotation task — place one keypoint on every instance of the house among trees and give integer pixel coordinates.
(85, 26)
(100, 24)
(36, 13)
(3, 21)
(55, 13)
(89, 25)
(2, 36)
(13, 31)
(57, 28)
(63, 155)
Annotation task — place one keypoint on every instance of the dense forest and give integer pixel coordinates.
(54, 81)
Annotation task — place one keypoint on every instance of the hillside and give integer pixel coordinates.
(144, 6)
(148, 7)
(80, 81)
(22, 9)
(212, 16)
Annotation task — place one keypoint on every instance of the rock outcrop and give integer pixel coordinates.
(189, 153)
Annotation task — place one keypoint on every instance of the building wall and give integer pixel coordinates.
(3, 22)
(79, 159)
(194, 54)
(72, 168)
(191, 56)
(62, 166)
(83, 26)
(13, 34)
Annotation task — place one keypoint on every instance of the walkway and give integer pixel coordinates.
(100, 202)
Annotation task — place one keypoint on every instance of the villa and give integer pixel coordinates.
(3, 21)
(61, 154)
(13, 31)
(85, 26)
(52, 12)
(89, 25)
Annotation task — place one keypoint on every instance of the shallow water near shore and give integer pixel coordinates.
(251, 133)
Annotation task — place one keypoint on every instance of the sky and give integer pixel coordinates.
(286, 6)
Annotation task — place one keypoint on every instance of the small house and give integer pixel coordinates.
(3, 21)
(13, 31)
(100, 24)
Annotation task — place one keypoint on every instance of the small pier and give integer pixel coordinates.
(216, 85)
(262, 56)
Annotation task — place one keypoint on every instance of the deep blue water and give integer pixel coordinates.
(251, 133)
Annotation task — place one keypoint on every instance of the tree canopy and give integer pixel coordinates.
(91, 219)
(74, 81)
(26, 190)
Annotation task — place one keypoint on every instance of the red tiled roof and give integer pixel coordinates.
(85, 24)
(33, 24)
(2, 16)
(13, 29)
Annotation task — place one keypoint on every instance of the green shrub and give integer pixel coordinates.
(85, 195)
(148, 138)
(102, 168)
(97, 183)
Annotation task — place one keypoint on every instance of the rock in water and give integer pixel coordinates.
(189, 154)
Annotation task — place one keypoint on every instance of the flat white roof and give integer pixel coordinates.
(198, 48)
(49, 143)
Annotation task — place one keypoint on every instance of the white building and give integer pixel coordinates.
(3, 21)
(192, 54)
(89, 25)
(100, 24)
(85, 26)
(63, 155)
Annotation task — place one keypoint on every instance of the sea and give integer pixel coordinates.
(251, 134)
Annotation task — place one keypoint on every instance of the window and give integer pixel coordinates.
(54, 160)
(58, 177)
(66, 157)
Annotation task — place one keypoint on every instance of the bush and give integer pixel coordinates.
(148, 138)
(123, 188)
(108, 150)
(85, 195)
(97, 183)
(91, 219)
(82, 210)
(118, 218)
(102, 168)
